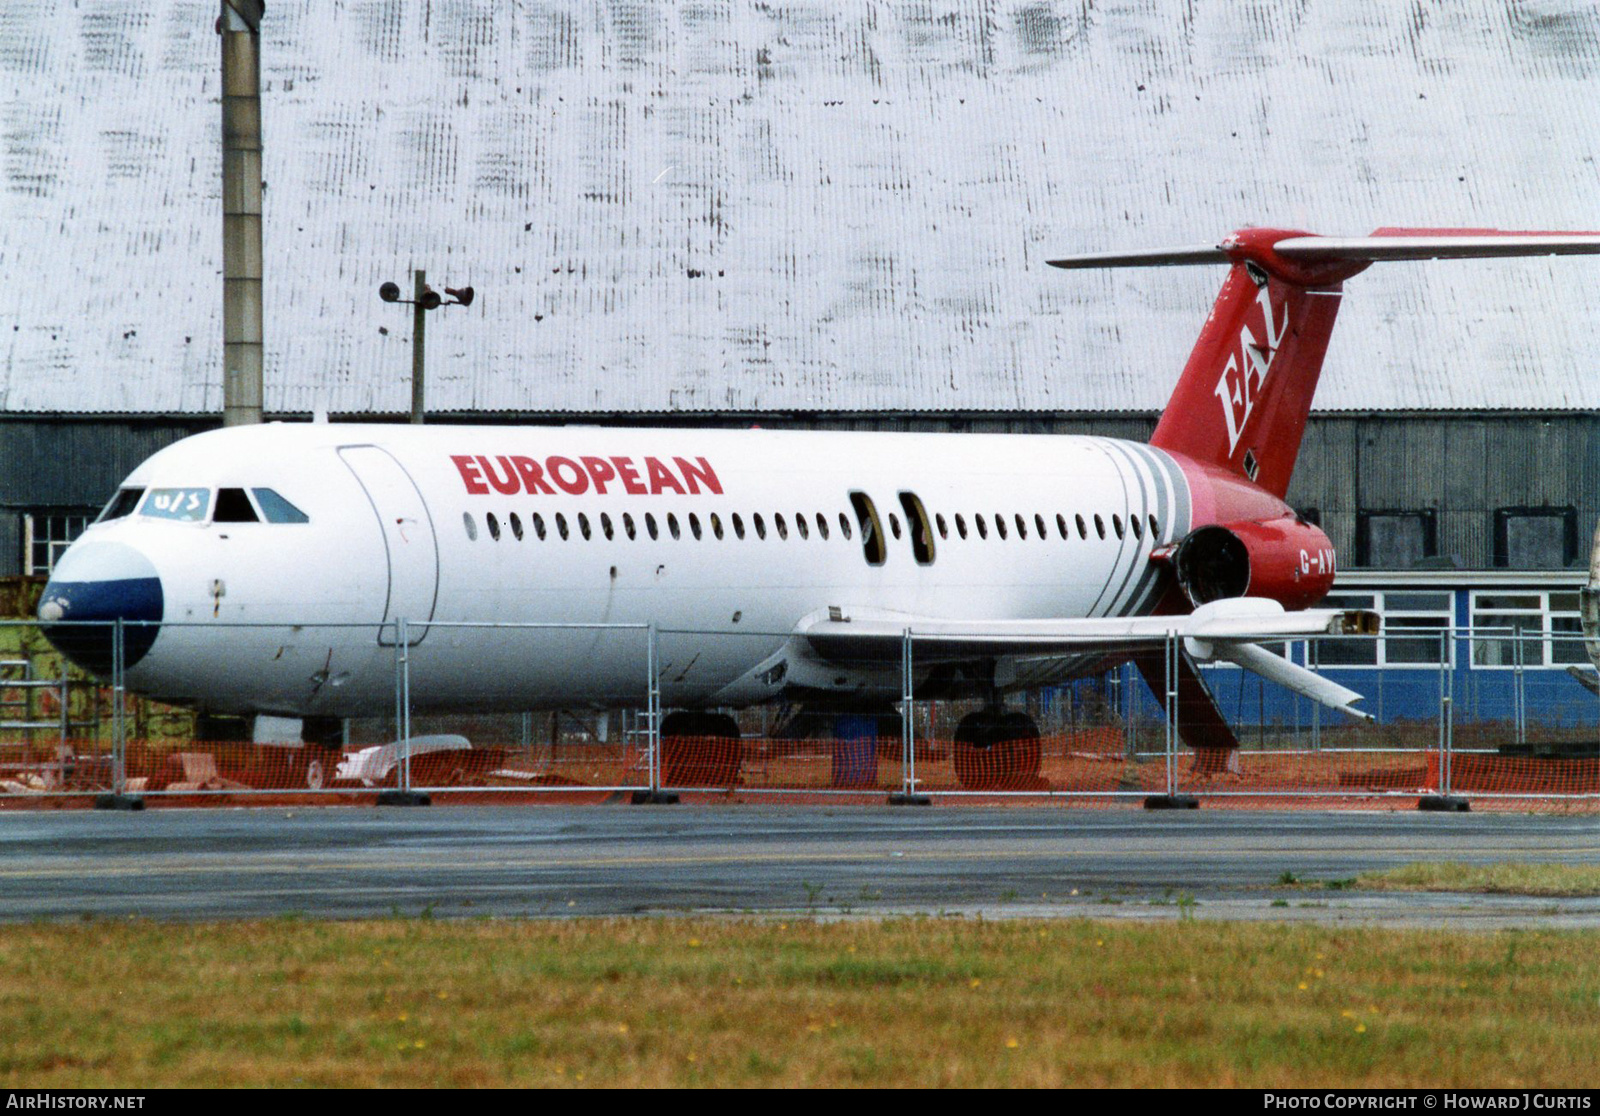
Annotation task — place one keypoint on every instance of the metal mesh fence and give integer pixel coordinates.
(56, 721)
(1509, 718)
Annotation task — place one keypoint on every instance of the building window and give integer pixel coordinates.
(1535, 538)
(46, 534)
(1410, 624)
(1542, 629)
(1396, 540)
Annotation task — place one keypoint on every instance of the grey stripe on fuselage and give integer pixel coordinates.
(1103, 445)
(1127, 543)
(1171, 492)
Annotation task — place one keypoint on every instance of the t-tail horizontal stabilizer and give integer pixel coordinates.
(1261, 245)
(1243, 397)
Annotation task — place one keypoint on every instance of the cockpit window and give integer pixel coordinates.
(188, 504)
(122, 504)
(233, 506)
(277, 509)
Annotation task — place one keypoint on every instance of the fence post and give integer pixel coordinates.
(119, 724)
(908, 795)
(1519, 694)
(908, 735)
(402, 641)
(1450, 711)
(403, 795)
(1130, 733)
(1172, 658)
(399, 693)
(1444, 799)
(1444, 714)
(652, 713)
(119, 798)
(1313, 661)
(1172, 713)
(66, 704)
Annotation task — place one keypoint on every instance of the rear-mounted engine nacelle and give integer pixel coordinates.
(1286, 559)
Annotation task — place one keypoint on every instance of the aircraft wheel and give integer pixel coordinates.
(700, 749)
(997, 751)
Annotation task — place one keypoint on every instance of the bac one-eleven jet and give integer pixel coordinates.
(773, 564)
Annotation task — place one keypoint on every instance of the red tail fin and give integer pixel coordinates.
(1244, 396)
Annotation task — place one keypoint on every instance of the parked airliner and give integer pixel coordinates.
(771, 563)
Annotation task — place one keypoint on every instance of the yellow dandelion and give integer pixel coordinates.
(814, 1028)
(975, 983)
(1100, 941)
(692, 1058)
(404, 1017)
(622, 1028)
(1361, 1028)
(1347, 1014)
(1463, 984)
(850, 949)
(1303, 986)
(1320, 974)
(419, 1044)
(444, 995)
(1012, 1044)
(694, 943)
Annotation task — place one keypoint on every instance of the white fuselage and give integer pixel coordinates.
(442, 526)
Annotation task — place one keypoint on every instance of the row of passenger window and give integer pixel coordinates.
(1041, 528)
(980, 524)
(630, 528)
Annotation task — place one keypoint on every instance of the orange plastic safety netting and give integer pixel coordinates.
(1091, 760)
(354, 773)
(1091, 764)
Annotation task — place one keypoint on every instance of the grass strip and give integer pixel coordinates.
(1507, 878)
(418, 1002)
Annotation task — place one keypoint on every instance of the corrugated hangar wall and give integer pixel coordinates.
(732, 205)
(1460, 467)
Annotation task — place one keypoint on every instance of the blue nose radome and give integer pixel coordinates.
(101, 581)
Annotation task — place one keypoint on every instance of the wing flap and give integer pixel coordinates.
(1241, 618)
(1228, 630)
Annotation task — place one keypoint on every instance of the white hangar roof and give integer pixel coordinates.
(750, 205)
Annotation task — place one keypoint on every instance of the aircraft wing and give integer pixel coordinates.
(1226, 630)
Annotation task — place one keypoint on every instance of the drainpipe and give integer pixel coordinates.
(240, 28)
(1589, 604)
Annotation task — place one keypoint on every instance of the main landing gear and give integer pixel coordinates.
(997, 750)
(700, 750)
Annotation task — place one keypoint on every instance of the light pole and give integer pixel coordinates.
(240, 29)
(426, 298)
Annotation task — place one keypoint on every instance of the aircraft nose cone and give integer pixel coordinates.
(101, 581)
